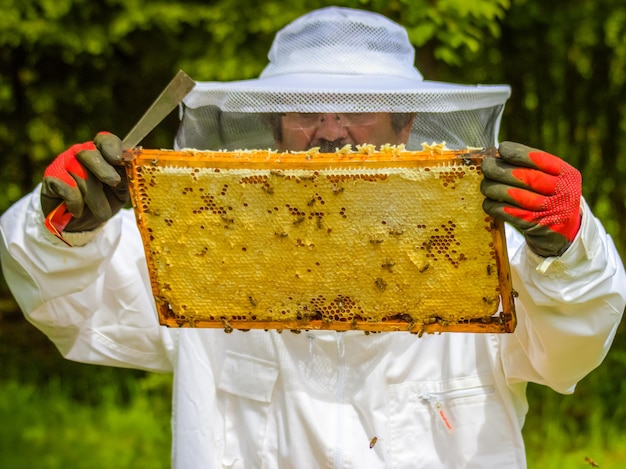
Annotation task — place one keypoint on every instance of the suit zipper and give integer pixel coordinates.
(339, 404)
(439, 402)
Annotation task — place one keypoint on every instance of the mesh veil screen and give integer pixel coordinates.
(209, 128)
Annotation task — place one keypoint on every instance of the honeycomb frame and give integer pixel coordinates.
(258, 240)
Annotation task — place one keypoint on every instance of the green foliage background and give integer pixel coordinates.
(70, 68)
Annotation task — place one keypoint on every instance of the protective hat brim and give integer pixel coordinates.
(342, 93)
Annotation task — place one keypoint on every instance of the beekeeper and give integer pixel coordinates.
(322, 398)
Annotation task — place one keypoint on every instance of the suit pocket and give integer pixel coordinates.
(246, 385)
(453, 424)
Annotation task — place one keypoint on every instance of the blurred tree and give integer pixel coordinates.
(574, 104)
(566, 63)
(69, 68)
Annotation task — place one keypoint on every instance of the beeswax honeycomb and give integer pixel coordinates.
(387, 240)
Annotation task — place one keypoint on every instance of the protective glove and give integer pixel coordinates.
(536, 192)
(91, 181)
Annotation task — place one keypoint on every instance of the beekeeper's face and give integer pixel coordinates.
(329, 131)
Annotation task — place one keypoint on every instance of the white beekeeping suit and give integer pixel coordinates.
(320, 398)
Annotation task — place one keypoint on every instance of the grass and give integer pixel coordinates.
(59, 414)
(47, 429)
(552, 442)
(562, 431)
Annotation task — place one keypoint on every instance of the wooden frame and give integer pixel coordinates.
(454, 175)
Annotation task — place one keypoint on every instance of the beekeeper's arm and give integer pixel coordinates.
(566, 270)
(93, 299)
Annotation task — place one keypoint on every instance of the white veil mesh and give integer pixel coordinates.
(340, 60)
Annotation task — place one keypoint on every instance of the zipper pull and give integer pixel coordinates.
(438, 406)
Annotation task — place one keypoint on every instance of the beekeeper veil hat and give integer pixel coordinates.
(340, 60)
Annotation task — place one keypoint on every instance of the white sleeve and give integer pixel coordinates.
(93, 301)
(568, 308)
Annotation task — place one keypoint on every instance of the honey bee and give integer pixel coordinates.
(373, 442)
(380, 283)
(467, 161)
(489, 301)
(424, 268)
(387, 265)
(591, 462)
(252, 300)
(227, 327)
